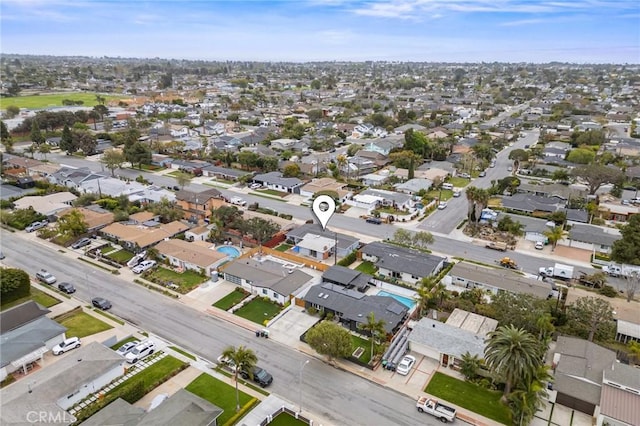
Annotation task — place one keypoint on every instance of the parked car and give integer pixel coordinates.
(374, 220)
(258, 375)
(101, 303)
(227, 363)
(405, 365)
(509, 169)
(539, 245)
(442, 205)
(255, 186)
(141, 351)
(127, 347)
(66, 288)
(81, 243)
(36, 225)
(45, 277)
(66, 345)
(143, 266)
(465, 175)
(482, 174)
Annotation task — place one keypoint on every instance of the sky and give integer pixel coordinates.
(538, 31)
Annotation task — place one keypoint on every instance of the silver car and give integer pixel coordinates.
(127, 347)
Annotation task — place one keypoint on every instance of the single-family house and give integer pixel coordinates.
(198, 205)
(198, 233)
(627, 331)
(391, 198)
(60, 386)
(267, 278)
(275, 181)
(616, 212)
(26, 334)
(139, 237)
(351, 307)
(400, 263)
(413, 186)
(533, 204)
(347, 278)
(533, 228)
(592, 238)
(73, 178)
(374, 179)
(152, 194)
(196, 256)
(345, 243)
(283, 144)
(223, 172)
(322, 185)
(110, 186)
(93, 215)
(48, 205)
(620, 396)
(446, 343)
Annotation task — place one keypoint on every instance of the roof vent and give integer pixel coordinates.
(326, 296)
(321, 294)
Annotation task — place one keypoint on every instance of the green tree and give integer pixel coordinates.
(596, 175)
(469, 365)
(423, 299)
(72, 224)
(12, 111)
(244, 359)
(591, 317)
(5, 137)
(514, 354)
(627, 248)
(167, 210)
(67, 143)
(84, 140)
(261, 229)
(113, 159)
(374, 328)
(581, 156)
(183, 179)
(44, 149)
(36, 134)
(422, 239)
(31, 149)
(138, 153)
(402, 236)
(101, 110)
(528, 397)
(353, 149)
(291, 170)
(14, 284)
(634, 349)
(554, 235)
(330, 339)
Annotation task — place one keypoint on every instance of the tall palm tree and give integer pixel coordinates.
(554, 235)
(374, 327)
(244, 359)
(440, 293)
(513, 353)
(527, 398)
(469, 365)
(341, 162)
(423, 297)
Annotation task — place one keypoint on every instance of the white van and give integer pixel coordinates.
(447, 186)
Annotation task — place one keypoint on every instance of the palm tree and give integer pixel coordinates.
(513, 353)
(440, 293)
(554, 235)
(470, 365)
(341, 162)
(423, 298)
(375, 328)
(244, 359)
(544, 323)
(527, 398)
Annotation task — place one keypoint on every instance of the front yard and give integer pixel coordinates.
(273, 192)
(231, 299)
(185, 281)
(458, 182)
(37, 296)
(120, 256)
(470, 396)
(365, 344)
(220, 394)
(259, 310)
(81, 324)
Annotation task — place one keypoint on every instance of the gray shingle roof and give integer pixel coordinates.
(27, 338)
(530, 203)
(446, 339)
(346, 277)
(592, 234)
(19, 315)
(277, 179)
(268, 274)
(403, 260)
(198, 197)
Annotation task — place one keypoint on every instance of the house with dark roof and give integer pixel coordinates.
(352, 307)
(533, 228)
(223, 172)
(533, 203)
(181, 408)
(620, 396)
(400, 263)
(346, 277)
(595, 239)
(267, 278)
(345, 243)
(275, 181)
(26, 334)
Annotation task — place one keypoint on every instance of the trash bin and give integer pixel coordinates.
(258, 333)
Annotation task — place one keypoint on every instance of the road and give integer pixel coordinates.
(342, 398)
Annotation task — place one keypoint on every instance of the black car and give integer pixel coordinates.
(66, 288)
(101, 303)
(258, 375)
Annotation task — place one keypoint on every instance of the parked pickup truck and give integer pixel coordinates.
(497, 245)
(444, 413)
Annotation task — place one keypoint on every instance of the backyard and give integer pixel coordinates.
(185, 281)
(231, 299)
(37, 296)
(470, 396)
(220, 394)
(283, 247)
(367, 268)
(259, 310)
(81, 324)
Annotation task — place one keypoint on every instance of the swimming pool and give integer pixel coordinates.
(229, 251)
(406, 301)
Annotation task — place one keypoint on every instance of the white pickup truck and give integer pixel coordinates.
(237, 201)
(444, 413)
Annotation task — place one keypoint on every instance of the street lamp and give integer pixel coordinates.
(300, 382)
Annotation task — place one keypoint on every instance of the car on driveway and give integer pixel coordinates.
(255, 186)
(539, 245)
(142, 350)
(66, 288)
(127, 347)
(46, 277)
(258, 375)
(442, 205)
(143, 266)
(66, 345)
(405, 366)
(101, 303)
(81, 243)
(36, 225)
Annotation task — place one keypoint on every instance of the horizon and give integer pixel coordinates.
(587, 32)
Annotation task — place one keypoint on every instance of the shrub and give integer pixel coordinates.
(608, 291)
(14, 284)
(311, 310)
(348, 259)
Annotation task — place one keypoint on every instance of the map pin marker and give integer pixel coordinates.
(324, 207)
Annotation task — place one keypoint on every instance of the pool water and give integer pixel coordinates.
(406, 301)
(229, 251)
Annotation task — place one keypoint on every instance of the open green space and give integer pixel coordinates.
(45, 101)
(283, 247)
(367, 268)
(231, 299)
(286, 419)
(183, 352)
(470, 396)
(360, 342)
(122, 342)
(218, 393)
(186, 280)
(446, 194)
(121, 256)
(259, 310)
(81, 324)
(37, 296)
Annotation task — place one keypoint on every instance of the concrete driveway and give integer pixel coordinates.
(290, 326)
(559, 415)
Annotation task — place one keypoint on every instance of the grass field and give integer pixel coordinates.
(258, 310)
(218, 393)
(82, 324)
(283, 247)
(186, 280)
(46, 101)
(469, 396)
(364, 344)
(37, 296)
(231, 299)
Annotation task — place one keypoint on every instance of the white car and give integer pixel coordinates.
(227, 363)
(45, 277)
(255, 186)
(144, 266)
(127, 347)
(405, 365)
(539, 245)
(141, 351)
(66, 345)
(442, 205)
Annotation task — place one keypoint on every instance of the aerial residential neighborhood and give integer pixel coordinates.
(165, 259)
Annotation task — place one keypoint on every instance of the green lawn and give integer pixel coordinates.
(218, 393)
(286, 419)
(45, 101)
(107, 249)
(259, 310)
(283, 247)
(231, 299)
(122, 342)
(458, 182)
(445, 193)
(367, 267)
(82, 324)
(186, 280)
(121, 255)
(470, 396)
(391, 210)
(273, 192)
(364, 344)
(164, 368)
(37, 296)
